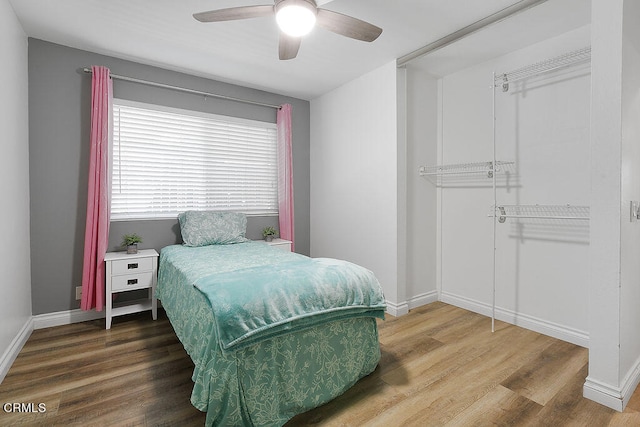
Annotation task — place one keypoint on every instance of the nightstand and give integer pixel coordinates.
(128, 272)
(285, 245)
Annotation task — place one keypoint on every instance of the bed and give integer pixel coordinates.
(271, 333)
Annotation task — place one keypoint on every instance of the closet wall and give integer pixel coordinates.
(354, 180)
(542, 126)
(421, 206)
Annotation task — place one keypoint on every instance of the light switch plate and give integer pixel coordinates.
(635, 207)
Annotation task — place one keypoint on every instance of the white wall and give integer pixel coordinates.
(421, 200)
(543, 126)
(15, 284)
(614, 286)
(354, 175)
(630, 231)
(606, 203)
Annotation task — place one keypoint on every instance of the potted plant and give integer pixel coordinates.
(269, 233)
(131, 242)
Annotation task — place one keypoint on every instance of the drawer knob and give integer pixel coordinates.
(132, 265)
(132, 281)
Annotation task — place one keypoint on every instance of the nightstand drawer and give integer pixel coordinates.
(282, 244)
(134, 265)
(132, 281)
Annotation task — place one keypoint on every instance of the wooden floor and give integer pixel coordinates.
(440, 365)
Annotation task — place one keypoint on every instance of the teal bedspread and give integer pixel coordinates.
(268, 382)
(255, 303)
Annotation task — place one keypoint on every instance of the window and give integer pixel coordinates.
(166, 161)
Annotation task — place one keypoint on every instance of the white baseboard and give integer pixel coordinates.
(14, 348)
(630, 383)
(422, 299)
(397, 309)
(603, 394)
(542, 326)
(66, 317)
(612, 396)
(41, 321)
(400, 309)
(466, 303)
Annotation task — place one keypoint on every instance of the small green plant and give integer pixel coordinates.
(131, 239)
(269, 231)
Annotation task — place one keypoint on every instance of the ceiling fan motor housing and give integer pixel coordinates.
(296, 18)
(309, 4)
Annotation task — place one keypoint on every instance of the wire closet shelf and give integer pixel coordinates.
(552, 212)
(541, 212)
(566, 60)
(487, 168)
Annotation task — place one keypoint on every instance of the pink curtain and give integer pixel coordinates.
(96, 233)
(285, 175)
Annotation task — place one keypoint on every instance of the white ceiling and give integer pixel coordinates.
(164, 33)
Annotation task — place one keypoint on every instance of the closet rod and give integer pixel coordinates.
(460, 34)
(183, 89)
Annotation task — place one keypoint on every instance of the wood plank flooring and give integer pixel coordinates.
(441, 366)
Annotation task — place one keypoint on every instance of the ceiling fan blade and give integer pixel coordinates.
(233, 13)
(288, 46)
(347, 26)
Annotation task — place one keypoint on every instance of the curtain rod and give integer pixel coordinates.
(183, 89)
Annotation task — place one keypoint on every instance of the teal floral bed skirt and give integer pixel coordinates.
(267, 383)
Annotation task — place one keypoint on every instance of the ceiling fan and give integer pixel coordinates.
(295, 19)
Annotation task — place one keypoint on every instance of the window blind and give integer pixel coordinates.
(166, 161)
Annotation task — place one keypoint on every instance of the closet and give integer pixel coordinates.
(509, 174)
(554, 223)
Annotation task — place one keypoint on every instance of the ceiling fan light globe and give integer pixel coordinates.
(296, 20)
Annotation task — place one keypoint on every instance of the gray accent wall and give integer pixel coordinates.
(59, 126)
